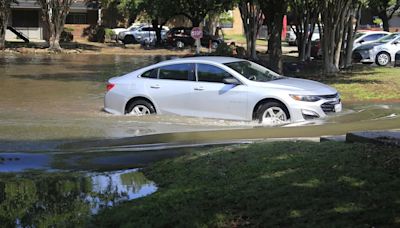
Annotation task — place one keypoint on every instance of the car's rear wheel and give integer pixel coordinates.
(272, 113)
(129, 39)
(140, 108)
(382, 59)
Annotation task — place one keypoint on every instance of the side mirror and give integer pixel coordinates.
(361, 41)
(396, 42)
(231, 81)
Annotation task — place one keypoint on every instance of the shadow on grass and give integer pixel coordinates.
(270, 185)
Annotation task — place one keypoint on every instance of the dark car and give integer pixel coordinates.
(180, 37)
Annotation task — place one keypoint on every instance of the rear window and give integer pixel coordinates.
(150, 74)
(176, 72)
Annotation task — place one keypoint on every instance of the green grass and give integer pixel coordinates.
(241, 39)
(361, 83)
(283, 184)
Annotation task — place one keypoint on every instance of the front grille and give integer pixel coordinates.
(328, 107)
(331, 96)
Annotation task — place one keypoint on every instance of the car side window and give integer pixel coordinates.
(176, 72)
(150, 74)
(209, 73)
(372, 37)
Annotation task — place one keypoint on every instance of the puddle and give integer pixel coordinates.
(65, 199)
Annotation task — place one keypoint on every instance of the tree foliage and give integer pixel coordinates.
(385, 9)
(197, 10)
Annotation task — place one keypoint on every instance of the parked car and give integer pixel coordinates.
(219, 87)
(180, 37)
(365, 37)
(361, 37)
(130, 28)
(139, 34)
(382, 51)
(291, 37)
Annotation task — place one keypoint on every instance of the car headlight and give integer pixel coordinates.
(308, 98)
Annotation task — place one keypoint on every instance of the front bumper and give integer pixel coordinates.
(363, 56)
(302, 110)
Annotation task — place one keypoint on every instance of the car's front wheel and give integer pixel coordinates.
(140, 108)
(179, 44)
(128, 39)
(382, 59)
(272, 113)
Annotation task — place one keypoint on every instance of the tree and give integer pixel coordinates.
(334, 16)
(5, 10)
(274, 11)
(385, 9)
(54, 14)
(159, 12)
(197, 10)
(252, 18)
(305, 16)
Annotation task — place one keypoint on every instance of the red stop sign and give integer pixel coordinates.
(196, 33)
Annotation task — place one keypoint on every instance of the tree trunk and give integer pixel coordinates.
(3, 29)
(275, 39)
(251, 17)
(55, 43)
(385, 20)
(4, 14)
(195, 22)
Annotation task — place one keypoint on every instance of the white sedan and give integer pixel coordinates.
(219, 87)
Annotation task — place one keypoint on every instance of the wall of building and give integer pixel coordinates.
(237, 28)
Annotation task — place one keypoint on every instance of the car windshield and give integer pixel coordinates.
(253, 71)
(388, 38)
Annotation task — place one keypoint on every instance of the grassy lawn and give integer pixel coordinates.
(282, 184)
(361, 83)
(241, 39)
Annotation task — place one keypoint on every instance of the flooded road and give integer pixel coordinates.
(50, 99)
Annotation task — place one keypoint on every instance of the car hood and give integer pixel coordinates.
(300, 86)
(369, 46)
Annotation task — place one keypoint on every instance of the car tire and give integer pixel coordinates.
(179, 44)
(382, 59)
(272, 113)
(128, 39)
(140, 108)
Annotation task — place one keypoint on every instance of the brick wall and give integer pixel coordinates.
(78, 31)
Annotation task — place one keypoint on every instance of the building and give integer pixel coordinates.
(26, 18)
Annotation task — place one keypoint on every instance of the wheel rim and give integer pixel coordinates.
(273, 116)
(214, 45)
(180, 44)
(383, 59)
(140, 110)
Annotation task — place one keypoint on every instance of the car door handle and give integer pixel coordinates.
(199, 88)
(155, 86)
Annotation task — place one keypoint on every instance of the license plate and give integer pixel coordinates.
(338, 107)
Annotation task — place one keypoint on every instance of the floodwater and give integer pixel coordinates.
(59, 150)
(47, 100)
(66, 199)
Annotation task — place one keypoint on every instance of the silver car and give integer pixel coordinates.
(219, 87)
(382, 51)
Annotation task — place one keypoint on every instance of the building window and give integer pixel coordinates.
(76, 18)
(25, 18)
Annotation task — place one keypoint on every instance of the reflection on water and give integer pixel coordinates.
(65, 199)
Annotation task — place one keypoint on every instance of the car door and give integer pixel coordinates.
(171, 88)
(212, 98)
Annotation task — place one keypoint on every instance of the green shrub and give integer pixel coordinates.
(66, 35)
(224, 49)
(95, 33)
(109, 33)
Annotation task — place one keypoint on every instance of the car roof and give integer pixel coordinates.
(205, 59)
(371, 31)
